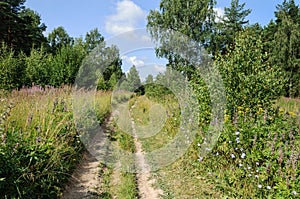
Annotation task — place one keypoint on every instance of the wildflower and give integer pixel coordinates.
(242, 149)
(259, 186)
(240, 165)
(207, 149)
(256, 170)
(256, 176)
(237, 140)
(257, 163)
(200, 159)
(249, 168)
(268, 187)
(232, 156)
(249, 175)
(217, 154)
(294, 192)
(199, 144)
(243, 155)
(237, 133)
(230, 142)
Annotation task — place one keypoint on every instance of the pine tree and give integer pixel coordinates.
(231, 23)
(286, 45)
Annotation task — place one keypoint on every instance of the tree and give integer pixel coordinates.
(133, 81)
(11, 69)
(38, 67)
(65, 64)
(286, 45)
(249, 80)
(101, 68)
(192, 18)
(20, 28)
(93, 39)
(149, 79)
(59, 38)
(231, 23)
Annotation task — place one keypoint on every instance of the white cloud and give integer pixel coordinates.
(127, 17)
(133, 61)
(159, 69)
(219, 13)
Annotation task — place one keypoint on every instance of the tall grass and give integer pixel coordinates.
(40, 145)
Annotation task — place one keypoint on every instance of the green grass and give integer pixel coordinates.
(181, 178)
(37, 129)
(289, 104)
(117, 182)
(269, 138)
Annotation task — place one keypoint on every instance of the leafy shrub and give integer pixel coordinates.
(38, 67)
(248, 79)
(10, 69)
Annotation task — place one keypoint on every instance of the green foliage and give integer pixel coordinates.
(93, 39)
(10, 69)
(20, 27)
(59, 38)
(65, 65)
(194, 19)
(132, 81)
(286, 45)
(249, 81)
(256, 155)
(149, 79)
(38, 67)
(230, 24)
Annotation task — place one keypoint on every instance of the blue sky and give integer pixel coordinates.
(113, 17)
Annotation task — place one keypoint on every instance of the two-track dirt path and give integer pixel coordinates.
(85, 181)
(144, 181)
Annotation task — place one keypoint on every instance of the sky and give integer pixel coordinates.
(114, 17)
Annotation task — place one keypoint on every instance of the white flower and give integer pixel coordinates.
(230, 142)
(256, 176)
(257, 170)
(257, 163)
(243, 155)
(249, 175)
(217, 154)
(200, 159)
(294, 192)
(259, 186)
(237, 140)
(232, 156)
(241, 149)
(199, 144)
(268, 187)
(237, 133)
(240, 165)
(249, 168)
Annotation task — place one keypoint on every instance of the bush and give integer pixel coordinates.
(249, 80)
(11, 69)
